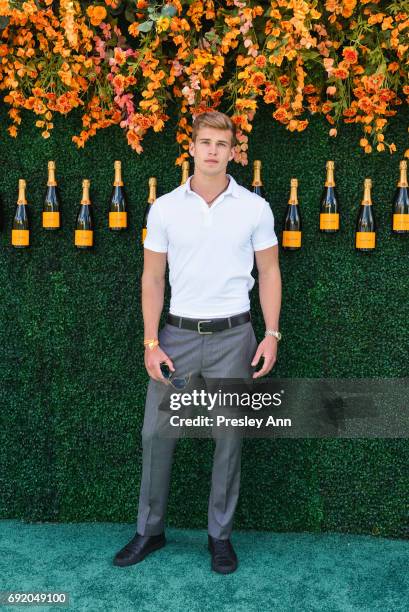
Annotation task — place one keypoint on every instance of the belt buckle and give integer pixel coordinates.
(199, 324)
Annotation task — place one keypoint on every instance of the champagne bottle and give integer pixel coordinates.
(257, 185)
(329, 213)
(84, 233)
(292, 221)
(365, 236)
(185, 171)
(51, 206)
(20, 232)
(117, 211)
(400, 218)
(151, 199)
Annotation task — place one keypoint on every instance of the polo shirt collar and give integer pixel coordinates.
(232, 189)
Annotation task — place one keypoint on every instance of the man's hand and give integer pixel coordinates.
(153, 358)
(268, 349)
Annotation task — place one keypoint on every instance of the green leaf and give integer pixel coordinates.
(310, 54)
(130, 15)
(145, 26)
(168, 10)
(4, 21)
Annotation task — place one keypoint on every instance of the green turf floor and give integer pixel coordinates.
(277, 571)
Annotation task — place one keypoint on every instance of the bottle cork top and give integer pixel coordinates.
(403, 179)
(118, 174)
(85, 191)
(366, 199)
(21, 192)
(294, 182)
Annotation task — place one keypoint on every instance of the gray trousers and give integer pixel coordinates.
(223, 354)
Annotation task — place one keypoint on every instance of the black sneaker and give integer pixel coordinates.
(224, 559)
(138, 548)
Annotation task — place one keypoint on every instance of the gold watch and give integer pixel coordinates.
(273, 332)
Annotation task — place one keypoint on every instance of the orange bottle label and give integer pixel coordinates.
(117, 219)
(400, 221)
(84, 237)
(51, 219)
(329, 221)
(291, 238)
(20, 237)
(144, 232)
(365, 240)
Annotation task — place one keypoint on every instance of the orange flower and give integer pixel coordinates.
(340, 73)
(280, 114)
(349, 112)
(350, 55)
(365, 104)
(284, 80)
(133, 29)
(260, 61)
(96, 14)
(257, 79)
(158, 125)
(309, 89)
(5, 7)
(83, 73)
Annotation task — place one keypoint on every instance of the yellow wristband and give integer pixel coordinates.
(151, 343)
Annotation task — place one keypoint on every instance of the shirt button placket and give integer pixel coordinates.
(207, 220)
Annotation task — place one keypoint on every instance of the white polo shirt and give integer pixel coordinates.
(210, 248)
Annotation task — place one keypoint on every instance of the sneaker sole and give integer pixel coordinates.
(141, 558)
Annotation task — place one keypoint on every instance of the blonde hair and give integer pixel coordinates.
(217, 120)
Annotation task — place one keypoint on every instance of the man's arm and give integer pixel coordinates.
(269, 280)
(153, 290)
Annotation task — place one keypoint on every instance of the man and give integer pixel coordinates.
(208, 230)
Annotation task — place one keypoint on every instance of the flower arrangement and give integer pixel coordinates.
(125, 61)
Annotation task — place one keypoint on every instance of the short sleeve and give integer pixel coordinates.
(263, 235)
(156, 237)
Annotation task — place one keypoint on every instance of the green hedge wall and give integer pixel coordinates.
(72, 379)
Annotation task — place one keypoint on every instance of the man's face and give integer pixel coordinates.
(212, 150)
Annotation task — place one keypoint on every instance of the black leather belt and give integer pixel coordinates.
(208, 326)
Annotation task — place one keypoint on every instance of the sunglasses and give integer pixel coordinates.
(178, 382)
